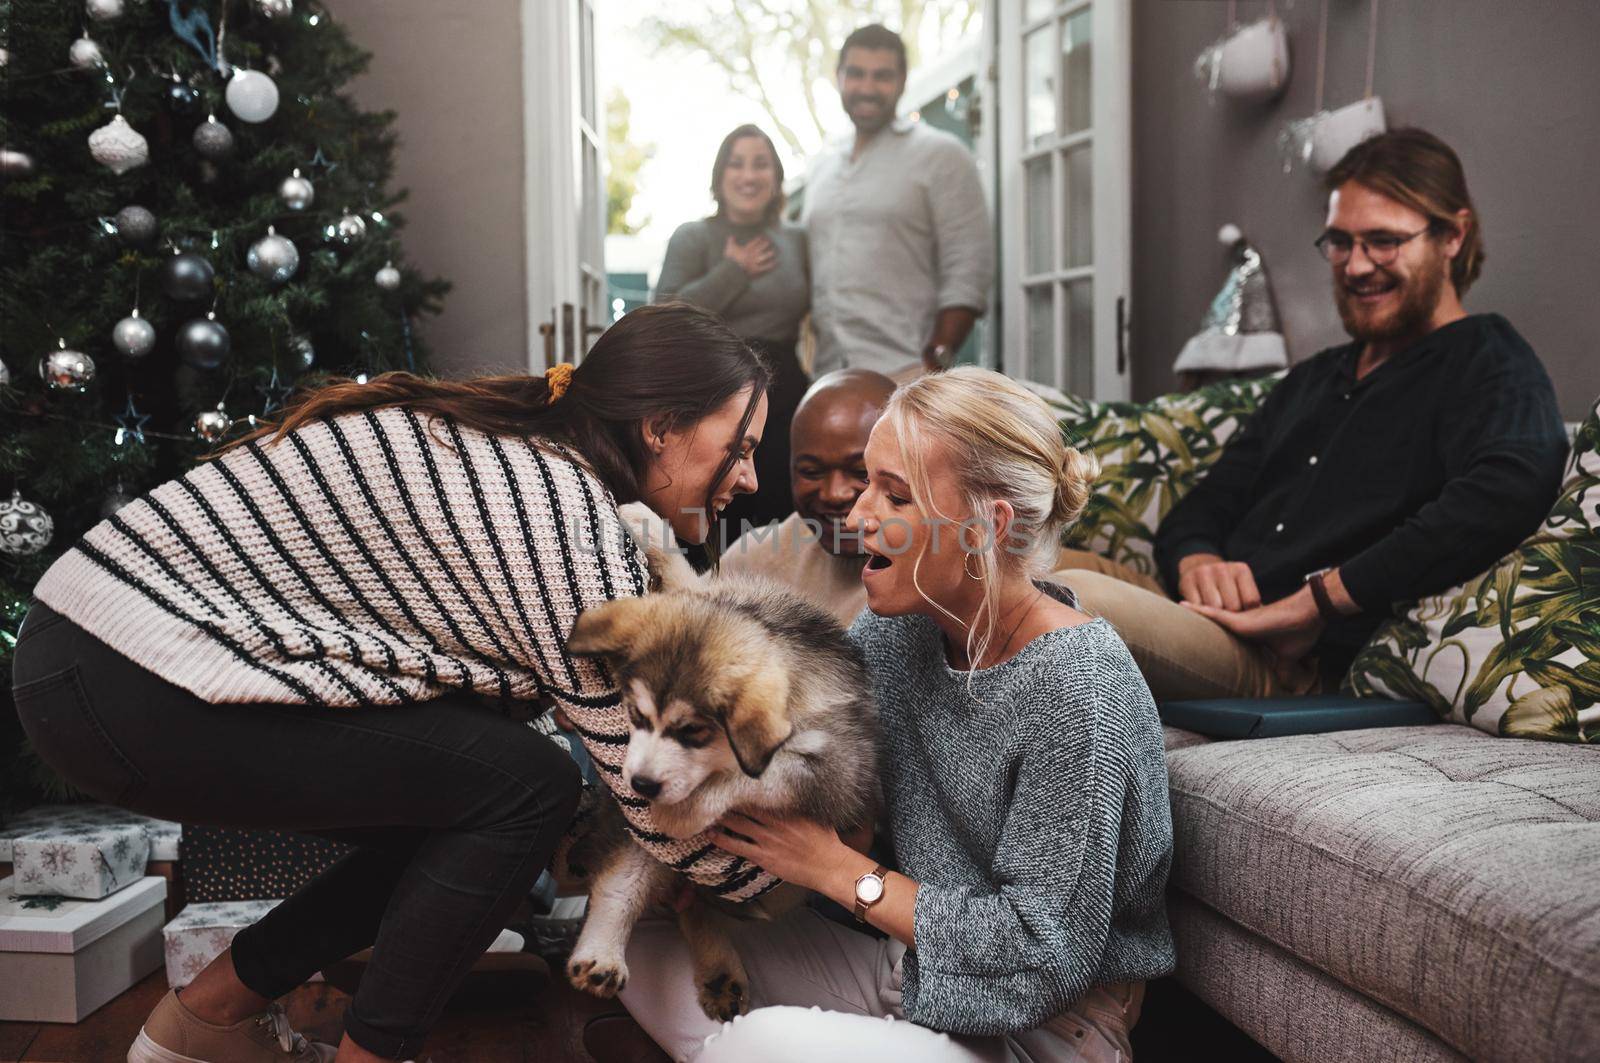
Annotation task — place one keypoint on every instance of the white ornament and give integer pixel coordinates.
(5, 58)
(252, 95)
(296, 192)
(103, 10)
(15, 163)
(85, 54)
(25, 528)
(5, 375)
(276, 8)
(273, 258)
(118, 146)
(387, 278)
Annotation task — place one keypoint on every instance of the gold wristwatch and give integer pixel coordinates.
(869, 890)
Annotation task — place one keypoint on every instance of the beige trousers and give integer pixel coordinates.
(821, 991)
(1181, 653)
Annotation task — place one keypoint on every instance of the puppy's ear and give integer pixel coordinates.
(608, 629)
(757, 719)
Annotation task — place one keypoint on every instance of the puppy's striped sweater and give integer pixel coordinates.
(377, 559)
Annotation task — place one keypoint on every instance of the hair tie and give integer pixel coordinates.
(558, 378)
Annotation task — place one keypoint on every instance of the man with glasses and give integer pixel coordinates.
(1376, 472)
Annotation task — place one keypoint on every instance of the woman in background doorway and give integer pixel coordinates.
(748, 265)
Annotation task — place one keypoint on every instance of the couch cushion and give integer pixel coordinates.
(1443, 874)
(1150, 455)
(1515, 650)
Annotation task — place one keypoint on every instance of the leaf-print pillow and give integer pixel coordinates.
(1515, 651)
(1150, 455)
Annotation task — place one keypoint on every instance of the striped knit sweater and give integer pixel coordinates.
(377, 559)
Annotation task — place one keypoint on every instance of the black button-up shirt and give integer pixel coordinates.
(1416, 477)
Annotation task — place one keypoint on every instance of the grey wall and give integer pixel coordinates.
(453, 72)
(1513, 87)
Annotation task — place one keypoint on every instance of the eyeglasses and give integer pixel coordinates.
(1382, 248)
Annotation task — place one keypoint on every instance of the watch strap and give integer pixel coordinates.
(1319, 593)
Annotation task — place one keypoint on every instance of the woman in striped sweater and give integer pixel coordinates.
(323, 629)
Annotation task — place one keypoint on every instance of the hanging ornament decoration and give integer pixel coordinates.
(212, 139)
(252, 95)
(1321, 139)
(130, 424)
(387, 278)
(273, 258)
(65, 369)
(85, 54)
(14, 163)
(115, 499)
(5, 58)
(276, 8)
(136, 226)
(1249, 63)
(212, 425)
(296, 192)
(182, 98)
(104, 10)
(273, 394)
(188, 276)
(204, 343)
(5, 376)
(25, 528)
(349, 230)
(305, 354)
(118, 146)
(1240, 332)
(133, 336)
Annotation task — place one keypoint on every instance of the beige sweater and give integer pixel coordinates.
(377, 559)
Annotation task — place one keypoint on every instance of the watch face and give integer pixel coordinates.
(869, 888)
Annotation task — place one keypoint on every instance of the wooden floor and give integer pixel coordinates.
(525, 1017)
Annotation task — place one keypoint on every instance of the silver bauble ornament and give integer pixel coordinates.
(118, 146)
(183, 98)
(348, 230)
(85, 54)
(305, 355)
(204, 343)
(276, 8)
(136, 226)
(103, 10)
(5, 58)
(273, 258)
(115, 499)
(133, 336)
(25, 528)
(212, 139)
(14, 163)
(187, 276)
(251, 95)
(296, 192)
(5, 375)
(387, 278)
(212, 425)
(67, 370)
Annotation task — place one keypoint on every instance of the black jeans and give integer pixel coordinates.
(455, 808)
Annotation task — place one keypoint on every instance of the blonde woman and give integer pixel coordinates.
(1024, 776)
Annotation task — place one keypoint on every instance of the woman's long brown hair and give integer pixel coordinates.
(672, 362)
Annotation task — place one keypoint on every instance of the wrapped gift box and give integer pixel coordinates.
(202, 932)
(165, 836)
(87, 862)
(60, 958)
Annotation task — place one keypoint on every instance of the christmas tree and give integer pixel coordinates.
(195, 223)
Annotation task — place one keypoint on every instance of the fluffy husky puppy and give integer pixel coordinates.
(741, 696)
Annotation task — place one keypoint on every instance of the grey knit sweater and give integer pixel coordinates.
(1034, 814)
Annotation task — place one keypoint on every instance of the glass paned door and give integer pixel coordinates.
(1065, 217)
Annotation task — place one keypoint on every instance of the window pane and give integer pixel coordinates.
(1040, 363)
(1076, 70)
(1080, 337)
(1078, 206)
(1039, 83)
(1040, 216)
(1038, 9)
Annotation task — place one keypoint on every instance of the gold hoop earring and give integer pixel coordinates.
(965, 567)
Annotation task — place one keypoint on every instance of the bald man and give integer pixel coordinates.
(810, 551)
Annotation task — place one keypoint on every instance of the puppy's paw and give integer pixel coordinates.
(603, 976)
(725, 993)
(647, 526)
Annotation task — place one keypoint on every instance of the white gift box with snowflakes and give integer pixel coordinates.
(202, 932)
(165, 836)
(87, 862)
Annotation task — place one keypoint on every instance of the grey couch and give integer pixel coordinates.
(1405, 893)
